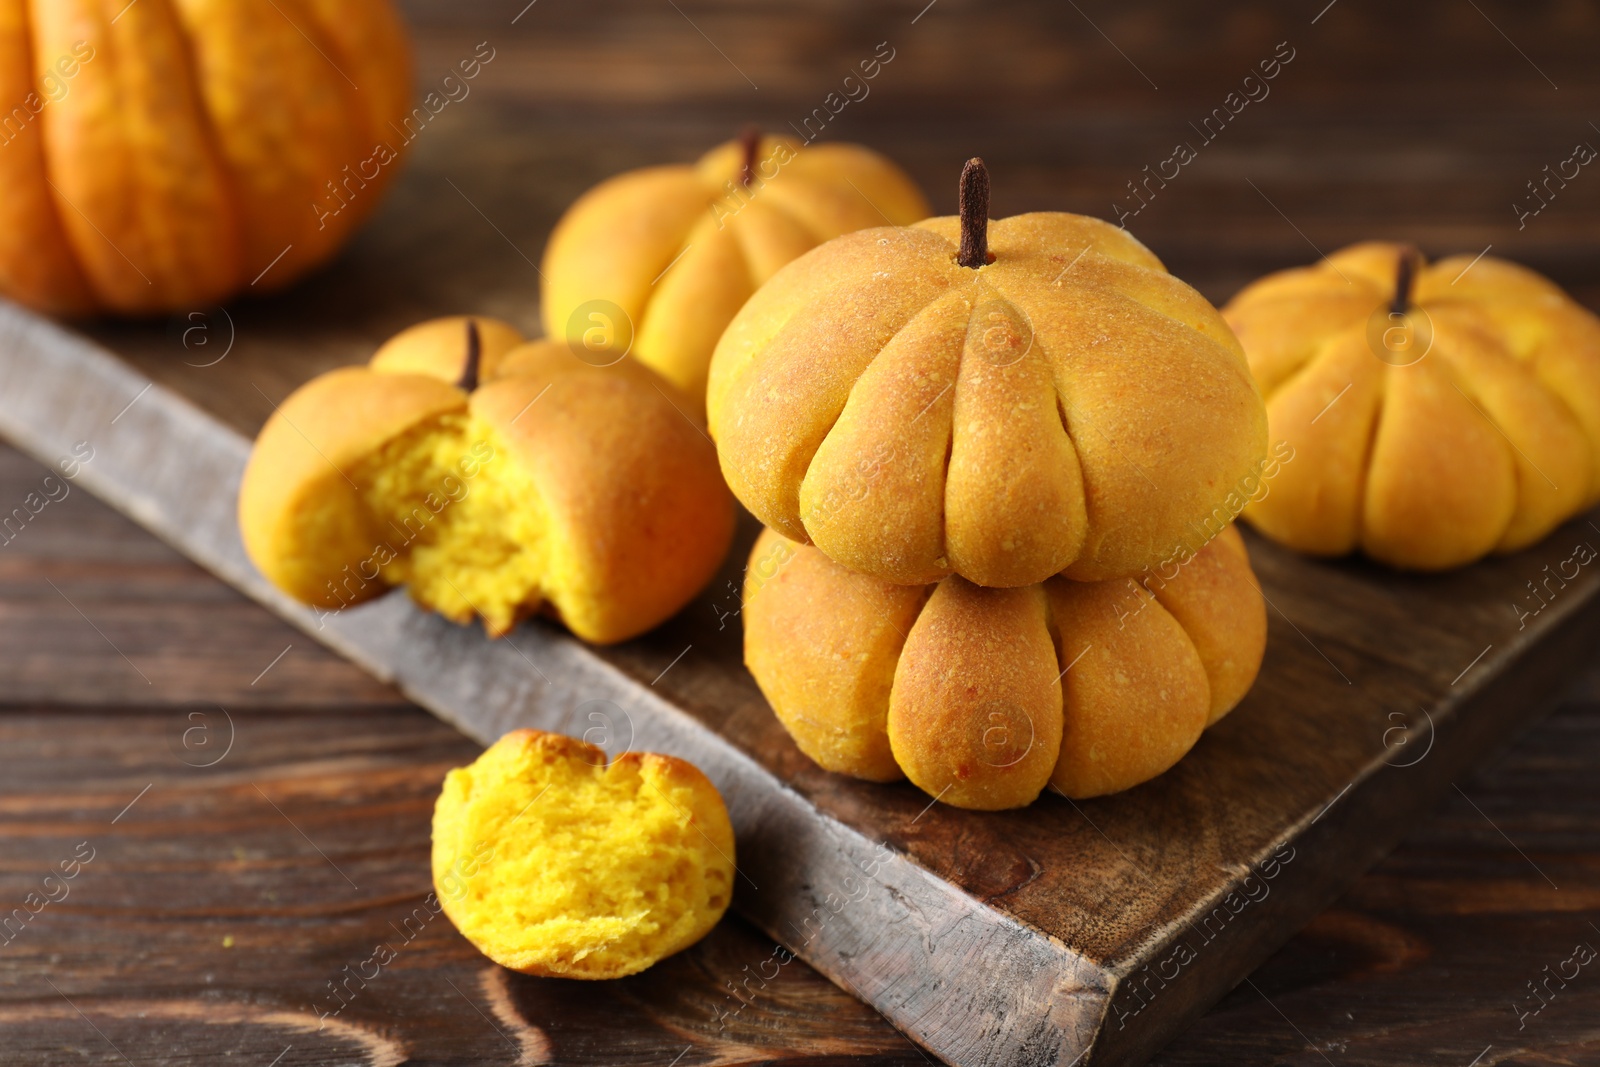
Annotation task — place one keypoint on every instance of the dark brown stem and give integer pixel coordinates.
(469, 373)
(973, 207)
(1405, 275)
(750, 140)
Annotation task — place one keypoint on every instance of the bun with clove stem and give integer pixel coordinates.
(1005, 401)
(494, 479)
(655, 262)
(1436, 413)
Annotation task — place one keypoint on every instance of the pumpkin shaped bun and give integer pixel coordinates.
(1005, 401)
(983, 697)
(555, 863)
(167, 154)
(1437, 413)
(656, 262)
(492, 478)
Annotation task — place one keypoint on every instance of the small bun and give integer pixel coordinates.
(549, 485)
(655, 262)
(556, 864)
(1434, 413)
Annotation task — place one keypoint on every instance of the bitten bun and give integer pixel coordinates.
(549, 484)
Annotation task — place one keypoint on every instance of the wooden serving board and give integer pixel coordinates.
(1067, 933)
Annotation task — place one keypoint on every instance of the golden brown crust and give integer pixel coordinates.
(1216, 600)
(1092, 687)
(1481, 437)
(822, 643)
(666, 255)
(1068, 407)
(1333, 402)
(635, 516)
(787, 364)
(1136, 697)
(975, 714)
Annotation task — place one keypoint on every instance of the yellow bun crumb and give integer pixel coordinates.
(556, 864)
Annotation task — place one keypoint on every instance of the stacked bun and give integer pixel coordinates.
(979, 449)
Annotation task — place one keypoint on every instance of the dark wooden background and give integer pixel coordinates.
(278, 827)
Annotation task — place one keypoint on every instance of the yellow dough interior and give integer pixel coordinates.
(460, 522)
(573, 867)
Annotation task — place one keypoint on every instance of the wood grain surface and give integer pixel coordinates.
(1422, 123)
(215, 909)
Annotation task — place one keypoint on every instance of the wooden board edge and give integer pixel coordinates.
(968, 983)
(1329, 851)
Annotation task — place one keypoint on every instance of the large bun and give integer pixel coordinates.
(1069, 408)
(983, 697)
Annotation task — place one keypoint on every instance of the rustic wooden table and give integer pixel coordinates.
(245, 818)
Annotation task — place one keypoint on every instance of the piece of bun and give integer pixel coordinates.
(555, 863)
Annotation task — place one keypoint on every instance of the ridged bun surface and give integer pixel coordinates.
(983, 697)
(1467, 423)
(1070, 407)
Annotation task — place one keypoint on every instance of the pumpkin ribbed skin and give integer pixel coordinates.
(191, 147)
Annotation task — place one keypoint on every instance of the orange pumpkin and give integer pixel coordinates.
(166, 154)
